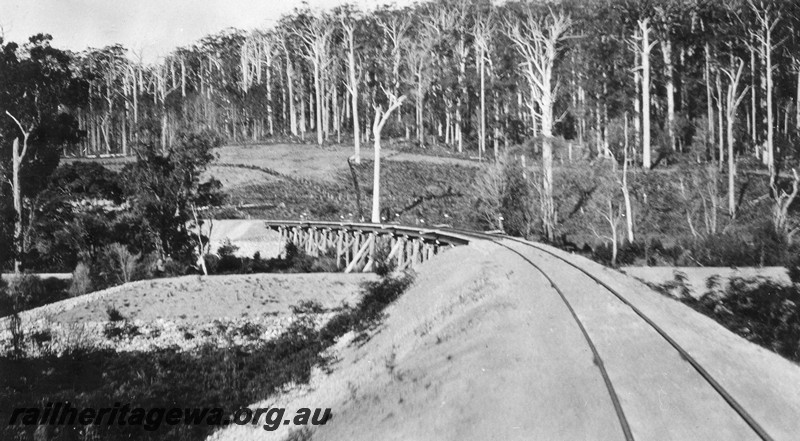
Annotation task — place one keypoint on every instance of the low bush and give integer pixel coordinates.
(81, 280)
(294, 261)
(759, 247)
(758, 309)
(114, 315)
(762, 311)
(369, 310)
(28, 291)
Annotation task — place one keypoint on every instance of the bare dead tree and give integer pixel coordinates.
(162, 90)
(482, 33)
(381, 116)
(489, 189)
(283, 39)
(256, 57)
(395, 29)
(734, 98)
(316, 37)
(764, 36)
(352, 85)
(612, 216)
(780, 210)
(643, 36)
(537, 40)
(626, 194)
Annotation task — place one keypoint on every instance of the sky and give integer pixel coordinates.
(149, 27)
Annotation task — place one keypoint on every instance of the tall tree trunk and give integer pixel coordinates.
(16, 166)
(770, 117)
(461, 94)
(669, 69)
(548, 205)
(418, 105)
(637, 106)
(625, 191)
(496, 137)
(318, 97)
(731, 162)
(797, 100)
(753, 100)
(351, 61)
(270, 112)
(17, 156)
(709, 97)
(720, 113)
(290, 87)
(377, 126)
(644, 25)
(376, 171)
(482, 140)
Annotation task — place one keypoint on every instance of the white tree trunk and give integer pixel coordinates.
(770, 117)
(15, 184)
(354, 94)
(290, 87)
(482, 137)
(709, 95)
(644, 25)
(377, 126)
(318, 99)
(666, 51)
(17, 156)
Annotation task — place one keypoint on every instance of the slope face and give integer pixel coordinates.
(479, 348)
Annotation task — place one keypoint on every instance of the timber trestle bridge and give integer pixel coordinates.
(355, 244)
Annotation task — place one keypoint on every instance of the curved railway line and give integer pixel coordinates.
(624, 424)
(642, 358)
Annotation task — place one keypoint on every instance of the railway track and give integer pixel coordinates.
(668, 372)
(536, 254)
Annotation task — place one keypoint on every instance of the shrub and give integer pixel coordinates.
(117, 331)
(382, 264)
(212, 263)
(377, 296)
(793, 267)
(763, 247)
(227, 248)
(228, 263)
(146, 267)
(337, 326)
(124, 260)
(114, 315)
(81, 280)
(759, 310)
(326, 210)
(307, 307)
(369, 311)
(175, 268)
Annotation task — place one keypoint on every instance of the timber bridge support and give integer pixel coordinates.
(356, 245)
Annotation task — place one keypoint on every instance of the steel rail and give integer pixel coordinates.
(456, 236)
(729, 399)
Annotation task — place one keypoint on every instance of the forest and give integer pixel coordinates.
(619, 106)
(635, 132)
